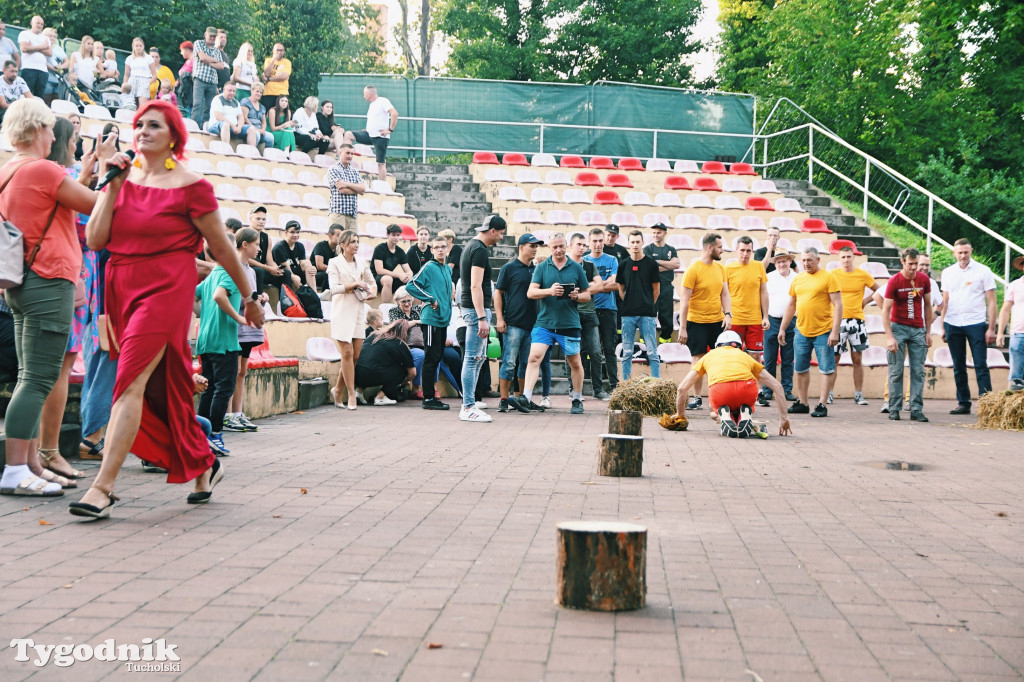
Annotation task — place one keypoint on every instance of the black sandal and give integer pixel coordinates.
(91, 511)
(216, 475)
(89, 450)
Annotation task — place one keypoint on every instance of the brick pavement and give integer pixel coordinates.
(794, 559)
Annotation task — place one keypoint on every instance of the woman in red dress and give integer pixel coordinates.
(153, 220)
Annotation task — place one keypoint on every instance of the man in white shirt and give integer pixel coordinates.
(381, 119)
(35, 48)
(226, 118)
(968, 298)
(12, 87)
(778, 283)
(8, 50)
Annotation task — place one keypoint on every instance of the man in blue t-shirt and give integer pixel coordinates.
(558, 284)
(604, 302)
(515, 314)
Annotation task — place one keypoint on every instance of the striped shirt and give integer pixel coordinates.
(344, 204)
(201, 71)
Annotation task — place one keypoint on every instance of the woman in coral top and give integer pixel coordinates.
(153, 220)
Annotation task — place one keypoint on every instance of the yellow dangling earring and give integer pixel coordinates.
(137, 162)
(169, 163)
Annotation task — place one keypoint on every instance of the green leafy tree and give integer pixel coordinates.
(745, 36)
(362, 49)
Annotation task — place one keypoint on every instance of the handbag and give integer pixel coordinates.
(12, 245)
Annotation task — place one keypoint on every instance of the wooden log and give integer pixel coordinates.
(625, 422)
(620, 455)
(602, 566)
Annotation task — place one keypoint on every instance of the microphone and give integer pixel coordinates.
(114, 171)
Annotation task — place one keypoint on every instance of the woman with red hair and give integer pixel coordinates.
(153, 220)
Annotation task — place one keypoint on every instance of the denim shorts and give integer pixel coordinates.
(802, 347)
(570, 345)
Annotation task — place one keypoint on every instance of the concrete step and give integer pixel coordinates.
(425, 168)
(436, 185)
(782, 183)
(425, 195)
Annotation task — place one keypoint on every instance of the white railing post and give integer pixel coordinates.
(541, 138)
(655, 154)
(810, 155)
(928, 234)
(764, 155)
(424, 140)
(867, 179)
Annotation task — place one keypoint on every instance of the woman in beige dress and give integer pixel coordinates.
(350, 283)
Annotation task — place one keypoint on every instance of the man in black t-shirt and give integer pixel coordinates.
(668, 260)
(475, 302)
(639, 287)
(419, 253)
(323, 252)
(389, 264)
(766, 254)
(268, 272)
(292, 256)
(514, 317)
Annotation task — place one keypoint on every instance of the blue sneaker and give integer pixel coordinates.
(216, 442)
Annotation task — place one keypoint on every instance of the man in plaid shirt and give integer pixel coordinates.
(208, 59)
(345, 184)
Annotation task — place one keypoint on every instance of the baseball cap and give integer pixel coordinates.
(493, 222)
(659, 226)
(528, 239)
(729, 338)
(258, 209)
(614, 229)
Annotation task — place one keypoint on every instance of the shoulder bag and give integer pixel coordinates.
(12, 244)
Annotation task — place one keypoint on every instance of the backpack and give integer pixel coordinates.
(310, 301)
(290, 304)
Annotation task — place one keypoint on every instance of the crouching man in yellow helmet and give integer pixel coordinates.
(733, 378)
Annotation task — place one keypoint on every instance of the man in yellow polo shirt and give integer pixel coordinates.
(815, 300)
(733, 377)
(277, 69)
(858, 289)
(748, 289)
(704, 308)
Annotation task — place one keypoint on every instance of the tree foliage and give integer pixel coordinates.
(362, 50)
(571, 41)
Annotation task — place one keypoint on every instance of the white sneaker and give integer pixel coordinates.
(384, 400)
(545, 403)
(480, 405)
(859, 399)
(474, 415)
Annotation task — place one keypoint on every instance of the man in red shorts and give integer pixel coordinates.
(748, 289)
(733, 378)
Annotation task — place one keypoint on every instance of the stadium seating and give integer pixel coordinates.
(511, 194)
(681, 241)
(658, 165)
(677, 182)
(571, 161)
(617, 180)
(734, 185)
(758, 204)
(727, 202)
(994, 359)
(544, 195)
(485, 158)
(697, 201)
(592, 218)
(607, 196)
(560, 217)
(322, 349)
(514, 159)
(527, 176)
(638, 199)
(497, 175)
(630, 164)
(543, 160)
(720, 222)
(686, 167)
(943, 358)
(589, 180)
(625, 219)
(667, 199)
(576, 196)
(689, 221)
(810, 242)
(706, 185)
(876, 269)
(837, 244)
(602, 162)
(814, 225)
(557, 177)
(714, 167)
(874, 356)
(528, 216)
(751, 222)
(651, 219)
(742, 169)
(786, 204)
(784, 224)
(764, 187)
(671, 353)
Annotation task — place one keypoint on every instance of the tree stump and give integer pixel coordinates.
(620, 455)
(602, 566)
(625, 422)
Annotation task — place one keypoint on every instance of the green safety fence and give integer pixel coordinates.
(551, 117)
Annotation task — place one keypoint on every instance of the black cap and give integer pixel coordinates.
(659, 226)
(493, 222)
(614, 229)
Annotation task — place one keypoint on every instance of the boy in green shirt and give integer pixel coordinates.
(218, 348)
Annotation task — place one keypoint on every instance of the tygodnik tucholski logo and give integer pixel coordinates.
(150, 656)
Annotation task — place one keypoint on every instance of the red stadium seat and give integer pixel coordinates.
(840, 243)
(514, 159)
(485, 157)
(607, 196)
(588, 179)
(815, 225)
(706, 185)
(569, 161)
(601, 162)
(677, 182)
(408, 233)
(758, 204)
(742, 169)
(716, 167)
(629, 163)
(617, 180)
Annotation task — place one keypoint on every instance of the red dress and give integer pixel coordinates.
(150, 287)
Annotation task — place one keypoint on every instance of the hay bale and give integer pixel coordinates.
(653, 397)
(1001, 410)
